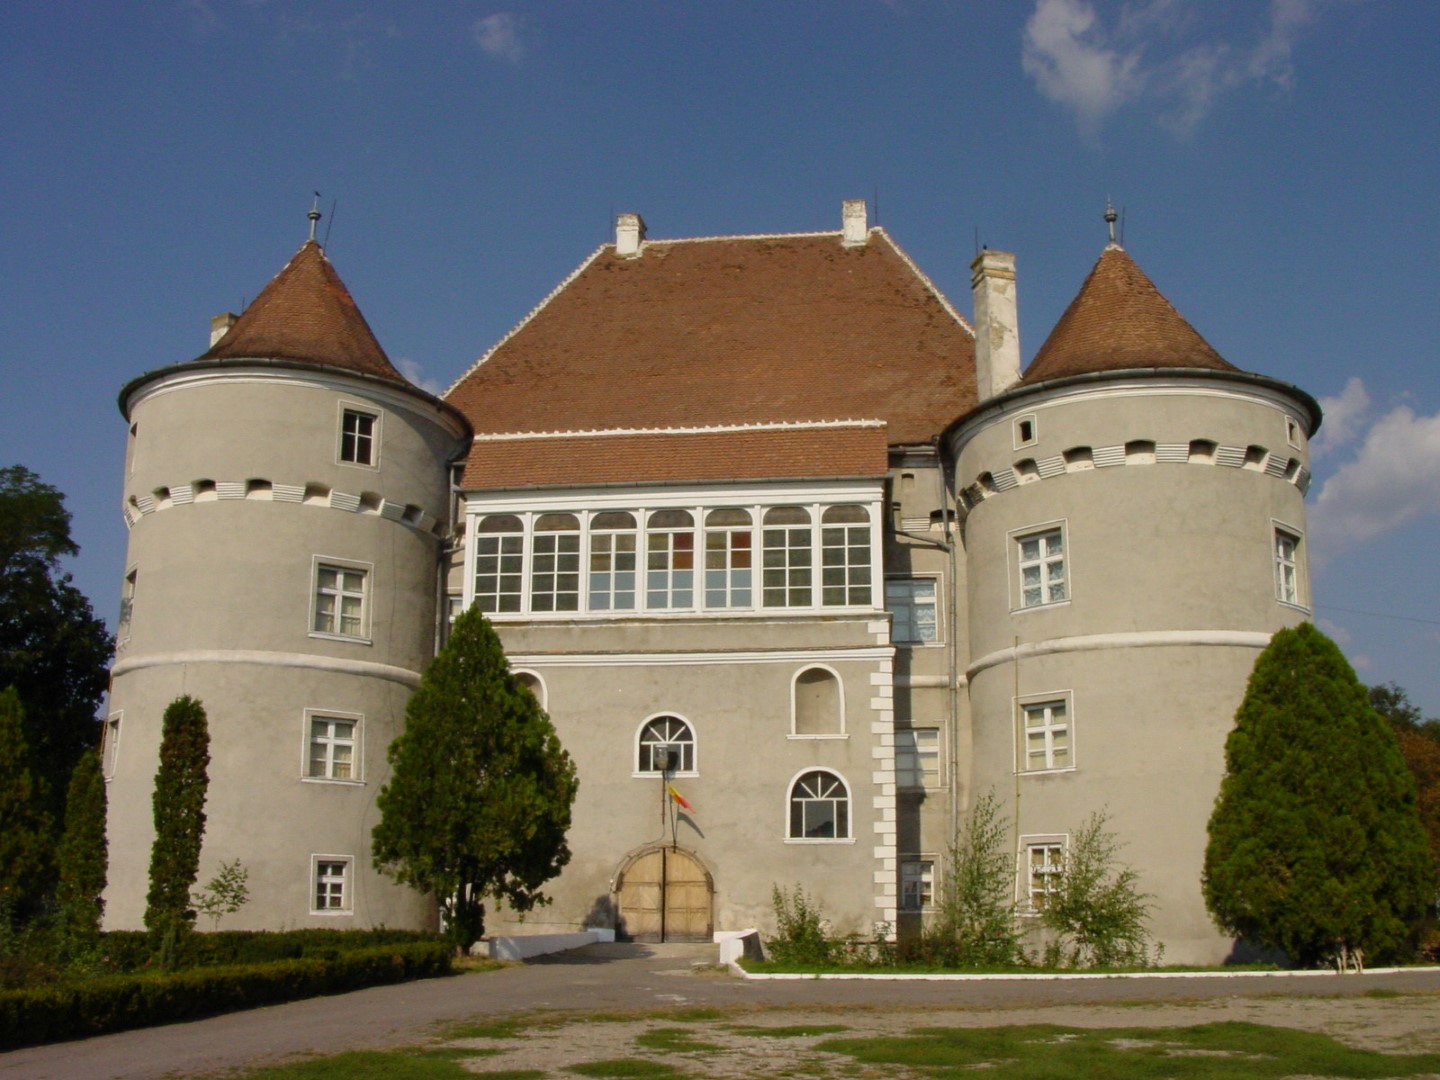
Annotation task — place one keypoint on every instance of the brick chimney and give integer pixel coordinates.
(854, 224)
(629, 235)
(997, 323)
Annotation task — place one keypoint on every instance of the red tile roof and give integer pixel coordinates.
(725, 331)
(1120, 321)
(653, 457)
(306, 314)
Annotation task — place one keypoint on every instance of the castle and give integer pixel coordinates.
(762, 519)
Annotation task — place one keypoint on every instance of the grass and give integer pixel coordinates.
(440, 1063)
(673, 1040)
(793, 1031)
(770, 967)
(1049, 1052)
(624, 1067)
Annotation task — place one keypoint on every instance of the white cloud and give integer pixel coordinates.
(1345, 413)
(498, 35)
(1393, 480)
(411, 370)
(1335, 632)
(1067, 55)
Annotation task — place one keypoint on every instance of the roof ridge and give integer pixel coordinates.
(707, 429)
(924, 277)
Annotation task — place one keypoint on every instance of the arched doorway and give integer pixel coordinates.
(664, 894)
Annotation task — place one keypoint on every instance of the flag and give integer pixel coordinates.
(678, 798)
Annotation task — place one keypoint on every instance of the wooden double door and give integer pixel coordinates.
(665, 895)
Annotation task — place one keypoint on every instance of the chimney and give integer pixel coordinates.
(220, 326)
(629, 234)
(997, 325)
(854, 226)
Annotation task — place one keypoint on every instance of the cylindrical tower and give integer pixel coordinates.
(1135, 533)
(287, 496)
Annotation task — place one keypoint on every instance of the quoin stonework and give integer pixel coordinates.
(763, 521)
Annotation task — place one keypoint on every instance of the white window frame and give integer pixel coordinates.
(1018, 565)
(352, 408)
(912, 604)
(847, 798)
(321, 563)
(1288, 570)
(733, 580)
(357, 748)
(1046, 701)
(917, 876)
(110, 744)
(473, 556)
(849, 571)
(920, 754)
(1019, 441)
(843, 732)
(616, 558)
(127, 605)
(564, 564)
(636, 744)
(1029, 882)
(671, 576)
(347, 884)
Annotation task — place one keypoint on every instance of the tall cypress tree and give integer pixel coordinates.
(25, 844)
(1315, 845)
(82, 856)
(179, 807)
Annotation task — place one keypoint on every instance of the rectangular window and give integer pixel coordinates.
(127, 606)
(332, 748)
(331, 884)
(357, 437)
(340, 601)
(917, 884)
(670, 560)
(1044, 863)
(1287, 567)
(498, 562)
(1042, 568)
(110, 746)
(845, 559)
(555, 564)
(728, 559)
(912, 604)
(917, 757)
(612, 570)
(787, 558)
(1047, 736)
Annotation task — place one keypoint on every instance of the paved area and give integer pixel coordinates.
(607, 978)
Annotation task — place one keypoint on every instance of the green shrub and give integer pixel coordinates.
(800, 936)
(133, 950)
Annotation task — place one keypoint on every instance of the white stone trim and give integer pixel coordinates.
(1142, 639)
(698, 659)
(307, 661)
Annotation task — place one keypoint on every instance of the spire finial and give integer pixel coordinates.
(314, 216)
(1110, 217)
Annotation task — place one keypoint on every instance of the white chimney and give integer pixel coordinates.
(629, 234)
(854, 225)
(220, 326)
(997, 324)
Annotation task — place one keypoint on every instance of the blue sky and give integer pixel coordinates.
(1277, 161)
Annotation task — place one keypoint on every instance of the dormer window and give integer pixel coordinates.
(358, 436)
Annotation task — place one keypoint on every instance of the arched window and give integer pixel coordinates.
(819, 807)
(612, 561)
(555, 564)
(845, 556)
(670, 560)
(788, 560)
(728, 562)
(666, 745)
(499, 558)
(532, 682)
(817, 703)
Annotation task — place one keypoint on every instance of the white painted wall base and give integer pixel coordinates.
(523, 947)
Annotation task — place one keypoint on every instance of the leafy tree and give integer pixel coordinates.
(1096, 908)
(975, 926)
(479, 799)
(53, 649)
(1315, 846)
(82, 858)
(25, 846)
(1419, 740)
(179, 807)
(226, 893)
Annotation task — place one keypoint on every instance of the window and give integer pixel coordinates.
(845, 556)
(819, 807)
(331, 879)
(110, 745)
(340, 601)
(1044, 863)
(728, 558)
(912, 608)
(666, 745)
(533, 683)
(1287, 567)
(670, 560)
(1047, 736)
(1042, 568)
(818, 703)
(612, 562)
(917, 757)
(127, 605)
(1024, 431)
(917, 884)
(332, 742)
(787, 558)
(499, 560)
(555, 564)
(357, 437)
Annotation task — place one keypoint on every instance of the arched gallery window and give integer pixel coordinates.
(819, 807)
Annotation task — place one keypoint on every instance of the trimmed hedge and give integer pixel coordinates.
(119, 1002)
(134, 950)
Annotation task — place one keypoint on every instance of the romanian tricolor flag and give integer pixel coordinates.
(676, 797)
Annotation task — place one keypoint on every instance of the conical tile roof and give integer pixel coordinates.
(307, 315)
(1118, 321)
